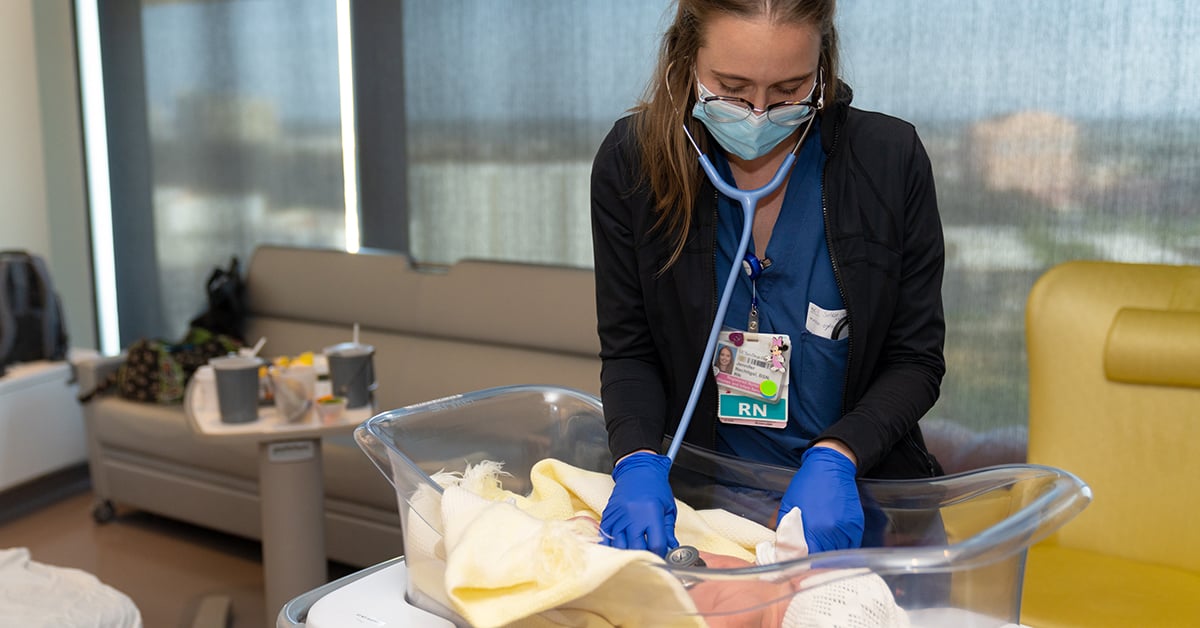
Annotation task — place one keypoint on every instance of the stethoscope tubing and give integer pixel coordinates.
(749, 201)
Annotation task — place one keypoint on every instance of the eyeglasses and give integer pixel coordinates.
(784, 113)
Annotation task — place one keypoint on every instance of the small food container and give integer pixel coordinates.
(330, 408)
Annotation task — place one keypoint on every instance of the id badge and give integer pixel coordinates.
(751, 370)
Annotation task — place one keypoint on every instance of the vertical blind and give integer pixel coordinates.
(506, 103)
(244, 131)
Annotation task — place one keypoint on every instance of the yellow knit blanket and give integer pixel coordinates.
(531, 560)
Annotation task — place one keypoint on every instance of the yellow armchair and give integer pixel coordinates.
(1114, 397)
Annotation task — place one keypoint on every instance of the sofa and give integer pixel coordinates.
(437, 331)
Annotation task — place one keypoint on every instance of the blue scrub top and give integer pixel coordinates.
(801, 271)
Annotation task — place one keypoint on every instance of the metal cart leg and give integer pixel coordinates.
(291, 495)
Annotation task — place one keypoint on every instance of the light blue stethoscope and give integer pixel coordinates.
(749, 201)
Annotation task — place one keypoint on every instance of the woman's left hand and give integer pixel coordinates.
(825, 491)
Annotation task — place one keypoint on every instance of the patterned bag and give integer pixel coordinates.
(158, 371)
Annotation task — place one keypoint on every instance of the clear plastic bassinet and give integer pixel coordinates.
(951, 549)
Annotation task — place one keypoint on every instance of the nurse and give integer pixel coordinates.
(837, 319)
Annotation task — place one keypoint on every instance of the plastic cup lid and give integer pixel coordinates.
(349, 348)
(235, 362)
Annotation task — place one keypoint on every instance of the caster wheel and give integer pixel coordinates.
(104, 512)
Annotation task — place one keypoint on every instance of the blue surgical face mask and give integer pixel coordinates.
(749, 138)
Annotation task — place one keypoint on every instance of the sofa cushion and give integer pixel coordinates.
(129, 425)
(412, 369)
(162, 431)
(498, 303)
(351, 476)
(1155, 347)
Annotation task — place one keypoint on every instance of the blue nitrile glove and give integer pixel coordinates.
(827, 496)
(641, 510)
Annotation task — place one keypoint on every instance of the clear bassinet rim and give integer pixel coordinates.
(987, 517)
(1061, 494)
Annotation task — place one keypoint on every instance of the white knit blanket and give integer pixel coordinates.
(34, 595)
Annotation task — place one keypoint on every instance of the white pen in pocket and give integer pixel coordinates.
(829, 324)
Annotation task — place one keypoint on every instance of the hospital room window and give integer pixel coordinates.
(1056, 132)
(1059, 131)
(224, 133)
(1062, 131)
(506, 103)
(242, 107)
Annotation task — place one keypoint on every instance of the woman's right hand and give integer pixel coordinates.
(641, 510)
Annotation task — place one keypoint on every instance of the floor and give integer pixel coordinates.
(166, 567)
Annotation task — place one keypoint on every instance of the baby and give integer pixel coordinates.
(814, 598)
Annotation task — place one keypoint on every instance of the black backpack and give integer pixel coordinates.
(226, 311)
(31, 316)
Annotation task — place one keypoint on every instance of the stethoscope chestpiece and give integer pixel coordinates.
(685, 556)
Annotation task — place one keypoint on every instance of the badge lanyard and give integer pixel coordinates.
(754, 269)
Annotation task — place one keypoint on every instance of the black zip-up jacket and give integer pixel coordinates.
(885, 236)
